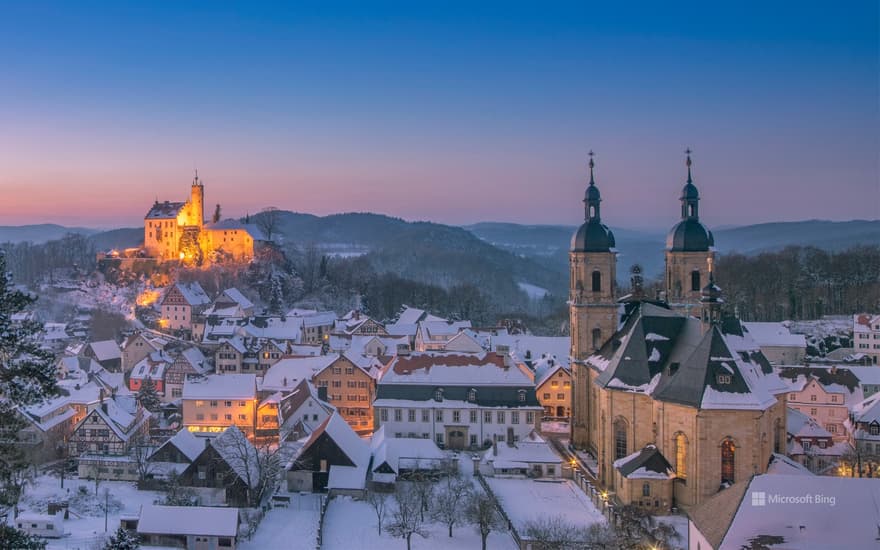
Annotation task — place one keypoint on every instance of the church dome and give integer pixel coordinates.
(689, 235)
(592, 236)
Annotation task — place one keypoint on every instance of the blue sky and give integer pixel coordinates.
(446, 111)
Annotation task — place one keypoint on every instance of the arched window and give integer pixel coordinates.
(597, 338)
(728, 461)
(597, 281)
(695, 280)
(619, 439)
(691, 210)
(592, 211)
(646, 489)
(681, 444)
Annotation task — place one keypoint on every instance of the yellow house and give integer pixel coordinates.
(213, 403)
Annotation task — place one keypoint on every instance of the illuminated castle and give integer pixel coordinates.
(177, 231)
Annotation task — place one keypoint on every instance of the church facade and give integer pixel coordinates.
(673, 398)
(177, 231)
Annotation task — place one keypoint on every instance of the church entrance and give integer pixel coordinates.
(456, 437)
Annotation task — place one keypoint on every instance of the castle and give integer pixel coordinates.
(673, 398)
(177, 231)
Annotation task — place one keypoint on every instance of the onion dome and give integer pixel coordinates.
(689, 235)
(593, 235)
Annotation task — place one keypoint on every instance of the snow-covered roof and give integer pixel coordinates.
(106, 349)
(337, 429)
(188, 520)
(230, 224)
(221, 386)
(800, 425)
(525, 347)
(868, 410)
(545, 368)
(187, 443)
(406, 453)
(193, 293)
(782, 465)
(274, 328)
(287, 373)
(775, 334)
(235, 295)
(826, 512)
(164, 210)
(152, 366)
(530, 450)
(451, 369)
(320, 318)
(239, 453)
(865, 322)
(647, 463)
(347, 477)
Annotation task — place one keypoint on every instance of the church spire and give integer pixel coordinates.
(592, 197)
(688, 162)
(690, 197)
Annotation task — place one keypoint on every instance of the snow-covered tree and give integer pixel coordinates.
(147, 395)
(10, 537)
(27, 376)
(379, 502)
(482, 512)
(407, 519)
(122, 539)
(449, 499)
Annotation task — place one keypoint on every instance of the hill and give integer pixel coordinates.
(39, 233)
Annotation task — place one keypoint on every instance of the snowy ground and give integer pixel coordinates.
(534, 292)
(85, 527)
(524, 500)
(351, 524)
(295, 526)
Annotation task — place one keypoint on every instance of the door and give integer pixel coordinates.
(456, 437)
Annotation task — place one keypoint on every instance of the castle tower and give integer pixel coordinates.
(197, 202)
(689, 247)
(593, 309)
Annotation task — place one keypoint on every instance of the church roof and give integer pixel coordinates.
(667, 355)
(592, 236)
(648, 463)
(689, 235)
(164, 210)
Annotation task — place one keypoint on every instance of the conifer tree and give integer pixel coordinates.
(147, 395)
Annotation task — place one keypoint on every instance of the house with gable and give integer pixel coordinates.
(231, 466)
(180, 303)
(866, 336)
(644, 479)
(153, 367)
(188, 362)
(825, 394)
(106, 352)
(810, 444)
(333, 459)
(176, 453)
(553, 386)
(302, 410)
(138, 346)
(102, 440)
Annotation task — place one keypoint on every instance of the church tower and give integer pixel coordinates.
(593, 309)
(689, 249)
(197, 202)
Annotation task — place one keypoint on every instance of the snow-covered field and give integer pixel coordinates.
(85, 527)
(534, 292)
(351, 524)
(525, 500)
(292, 527)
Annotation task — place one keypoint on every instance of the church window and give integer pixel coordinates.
(619, 438)
(597, 338)
(691, 210)
(597, 281)
(646, 489)
(728, 461)
(592, 211)
(681, 444)
(695, 280)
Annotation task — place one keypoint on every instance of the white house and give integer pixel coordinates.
(458, 400)
(778, 344)
(191, 527)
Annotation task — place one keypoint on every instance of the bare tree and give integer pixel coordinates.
(407, 519)
(269, 221)
(554, 533)
(379, 502)
(140, 451)
(424, 488)
(257, 468)
(449, 499)
(482, 512)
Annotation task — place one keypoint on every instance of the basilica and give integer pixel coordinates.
(177, 231)
(670, 394)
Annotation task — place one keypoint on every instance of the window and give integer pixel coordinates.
(619, 439)
(213, 403)
(487, 417)
(522, 396)
(438, 394)
(242, 417)
(227, 417)
(473, 417)
(681, 443)
(530, 417)
(813, 397)
(596, 281)
(383, 415)
(398, 415)
(723, 379)
(456, 416)
(411, 415)
(695, 281)
(813, 412)
(834, 399)
(646, 489)
(875, 429)
(546, 396)
(501, 417)
(215, 416)
(200, 416)
(473, 440)
(728, 461)
(806, 445)
(438, 416)
(560, 396)
(514, 417)
(792, 397)
(426, 415)
(554, 384)
(472, 395)
(439, 439)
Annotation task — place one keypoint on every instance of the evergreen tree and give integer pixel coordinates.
(122, 539)
(147, 395)
(27, 376)
(10, 537)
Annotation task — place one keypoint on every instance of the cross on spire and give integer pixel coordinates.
(591, 154)
(688, 163)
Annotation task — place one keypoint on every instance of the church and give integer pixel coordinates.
(672, 396)
(177, 231)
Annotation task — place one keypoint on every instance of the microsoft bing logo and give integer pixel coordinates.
(759, 498)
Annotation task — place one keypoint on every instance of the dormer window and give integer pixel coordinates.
(875, 429)
(521, 396)
(723, 379)
(472, 395)
(438, 394)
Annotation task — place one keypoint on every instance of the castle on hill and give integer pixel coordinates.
(177, 231)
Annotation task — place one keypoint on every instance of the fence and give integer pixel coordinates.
(485, 485)
(325, 501)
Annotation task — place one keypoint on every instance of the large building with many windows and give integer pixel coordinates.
(671, 381)
(459, 400)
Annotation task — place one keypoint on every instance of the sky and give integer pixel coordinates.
(455, 112)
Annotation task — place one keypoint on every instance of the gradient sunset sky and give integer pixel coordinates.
(453, 112)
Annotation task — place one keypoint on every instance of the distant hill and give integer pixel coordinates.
(39, 233)
(126, 237)
(552, 241)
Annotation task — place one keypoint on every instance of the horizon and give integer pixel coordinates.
(450, 114)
